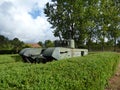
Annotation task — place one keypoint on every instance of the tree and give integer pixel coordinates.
(111, 20)
(4, 42)
(85, 20)
(65, 19)
(49, 43)
(40, 43)
(17, 44)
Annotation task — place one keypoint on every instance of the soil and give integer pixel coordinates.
(114, 82)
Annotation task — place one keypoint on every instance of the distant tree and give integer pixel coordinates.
(41, 43)
(17, 44)
(102, 21)
(3, 39)
(109, 20)
(49, 43)
(4, 42)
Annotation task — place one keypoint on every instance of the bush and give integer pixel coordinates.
(8, 51)
(81, 73)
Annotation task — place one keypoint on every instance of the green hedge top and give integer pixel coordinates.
(81, 73)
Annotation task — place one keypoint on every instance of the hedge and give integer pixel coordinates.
(8, 52)
(90, 72)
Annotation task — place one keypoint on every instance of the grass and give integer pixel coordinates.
(114, 82)
(81, 73)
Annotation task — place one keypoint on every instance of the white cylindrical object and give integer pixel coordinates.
(71, 43)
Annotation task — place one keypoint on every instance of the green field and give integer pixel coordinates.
(90, 72)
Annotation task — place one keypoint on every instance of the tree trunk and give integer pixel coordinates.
(102, 45)
(115, 44)
(89, 45)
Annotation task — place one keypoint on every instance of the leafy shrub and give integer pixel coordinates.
(81, 73)
(8, 52)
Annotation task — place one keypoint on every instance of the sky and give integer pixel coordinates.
(25, 19)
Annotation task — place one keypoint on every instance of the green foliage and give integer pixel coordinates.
(81, 73)
(8, 52)
(85, 20)
(17, 44)
(49, 43)
(41, 43)
(6, 44)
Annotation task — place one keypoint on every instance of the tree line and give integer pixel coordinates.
(89, 22)
(15, 45)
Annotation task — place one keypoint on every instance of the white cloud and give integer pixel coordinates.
(15, 20)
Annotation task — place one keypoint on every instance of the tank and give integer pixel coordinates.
(62, 50)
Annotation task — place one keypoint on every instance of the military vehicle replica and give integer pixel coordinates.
(62, 50)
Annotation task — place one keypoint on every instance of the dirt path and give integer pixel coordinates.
(114, 82)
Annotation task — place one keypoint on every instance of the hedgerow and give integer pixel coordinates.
(90, 72)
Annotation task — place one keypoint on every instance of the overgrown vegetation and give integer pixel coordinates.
(81, 73)
(10, 46)
(85, 21)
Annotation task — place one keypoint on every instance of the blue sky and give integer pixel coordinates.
(25, 20)
(35, 11)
